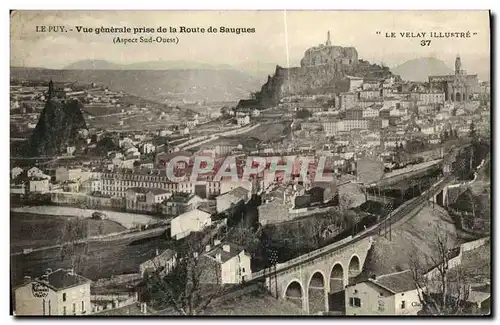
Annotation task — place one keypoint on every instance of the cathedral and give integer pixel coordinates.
(458, 87)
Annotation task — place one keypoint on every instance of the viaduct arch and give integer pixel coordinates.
(317, 285)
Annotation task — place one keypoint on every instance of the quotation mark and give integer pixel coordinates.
(378, 32)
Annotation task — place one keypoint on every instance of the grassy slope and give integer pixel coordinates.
(31, 230)
(415, 236)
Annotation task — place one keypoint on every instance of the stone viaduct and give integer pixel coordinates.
(315, 281)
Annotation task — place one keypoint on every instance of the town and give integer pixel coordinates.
(99, 226)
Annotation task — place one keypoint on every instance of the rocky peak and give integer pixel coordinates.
(57, 128)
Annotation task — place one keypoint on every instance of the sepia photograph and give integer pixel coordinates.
(250, 163)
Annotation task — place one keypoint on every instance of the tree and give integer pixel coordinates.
(442, 287)
(73, 244)
(183, 289)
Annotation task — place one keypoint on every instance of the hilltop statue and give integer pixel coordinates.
(328, 42)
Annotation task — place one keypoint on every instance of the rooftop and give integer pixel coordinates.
(180, 197)
(238, 192)
(60, 279)
(167, 254)
(396, 282)
(225, 255)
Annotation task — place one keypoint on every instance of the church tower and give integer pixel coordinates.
(458, 65)
(328, 42)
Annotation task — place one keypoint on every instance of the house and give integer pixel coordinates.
(16, 171)
(64, 174)
(164, 262)
(70, 150)
(148, 148)
(34, 171)
(192, 124)
(19, 188)
(164, 159)
(322, 192)
(61, 292)
(225, 263)
(147, 163)
(243, 120)
(428, 129)
(91, 185)
(390, 294)
(125, 142)
(39, 184)
(188, 222)
(71, 186)
(232, 198)
(180, 202)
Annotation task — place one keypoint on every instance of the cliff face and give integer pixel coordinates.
(318, 79)
(323, 70)
(56, 129)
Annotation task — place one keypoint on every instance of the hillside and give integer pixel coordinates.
(322, 70)
(159, 85)
(420, 69)
(257, 69)
(415, 236)
(147, 65)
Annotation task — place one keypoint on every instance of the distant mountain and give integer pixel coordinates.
(147, 65)
(420, 69)
(92, 65)
(152, 81)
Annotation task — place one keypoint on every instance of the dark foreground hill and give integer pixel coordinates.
(57, 128)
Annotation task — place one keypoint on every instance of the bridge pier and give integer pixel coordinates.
(441, 197)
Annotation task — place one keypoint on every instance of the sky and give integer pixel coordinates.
(281, 37)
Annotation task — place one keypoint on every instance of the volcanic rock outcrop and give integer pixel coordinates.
(323, 70)
(58, 127)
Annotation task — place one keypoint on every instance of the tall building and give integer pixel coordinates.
(458, 87)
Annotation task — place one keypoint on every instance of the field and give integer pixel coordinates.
(95, 260)
(127, 220)
(272, 132)
(32, 230)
